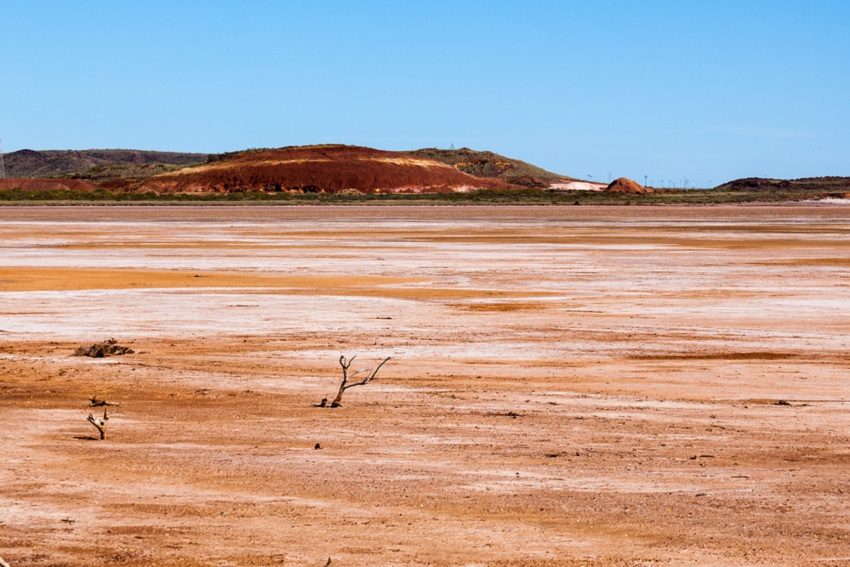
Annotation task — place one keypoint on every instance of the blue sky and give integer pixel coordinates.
(699, 90)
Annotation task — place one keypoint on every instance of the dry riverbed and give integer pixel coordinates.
(568, 386)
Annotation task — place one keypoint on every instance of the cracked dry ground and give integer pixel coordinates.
(569, 386)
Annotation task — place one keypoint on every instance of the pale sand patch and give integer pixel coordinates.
(230, 165)
(577, 186)
(409, 161)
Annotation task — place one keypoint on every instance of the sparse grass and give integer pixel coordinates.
(489, 164)
(125, 171)
(96, 164)
(481, 197)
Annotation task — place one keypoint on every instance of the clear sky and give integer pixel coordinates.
(705, 90)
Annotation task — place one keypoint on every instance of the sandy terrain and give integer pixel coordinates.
(569, 386)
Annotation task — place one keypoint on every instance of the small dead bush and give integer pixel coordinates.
(345, 384)
(103, 349)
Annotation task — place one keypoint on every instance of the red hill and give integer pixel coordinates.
(325, 169)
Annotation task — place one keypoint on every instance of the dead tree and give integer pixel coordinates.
(345, 385)
(100, 424)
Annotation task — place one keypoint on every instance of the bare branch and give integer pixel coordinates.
(100, 424)
(95, 403)
(368, 378)
(344, 385)
(346, 364)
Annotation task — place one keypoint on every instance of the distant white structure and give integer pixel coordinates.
(578, 186)
(2, 165)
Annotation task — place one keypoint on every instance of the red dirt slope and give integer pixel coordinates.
(320, 169)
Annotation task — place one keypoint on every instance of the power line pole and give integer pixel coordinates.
(2, 165)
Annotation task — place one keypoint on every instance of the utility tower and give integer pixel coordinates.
(2, 165)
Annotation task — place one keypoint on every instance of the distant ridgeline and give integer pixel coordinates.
(95, 164)
(804, 183)
(352, 172)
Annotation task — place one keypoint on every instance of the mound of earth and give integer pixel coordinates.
(804, 183)
(95, 164)
(320, 169)
(103, 349)
(39, 185)
(626, 185)
(495, 166)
